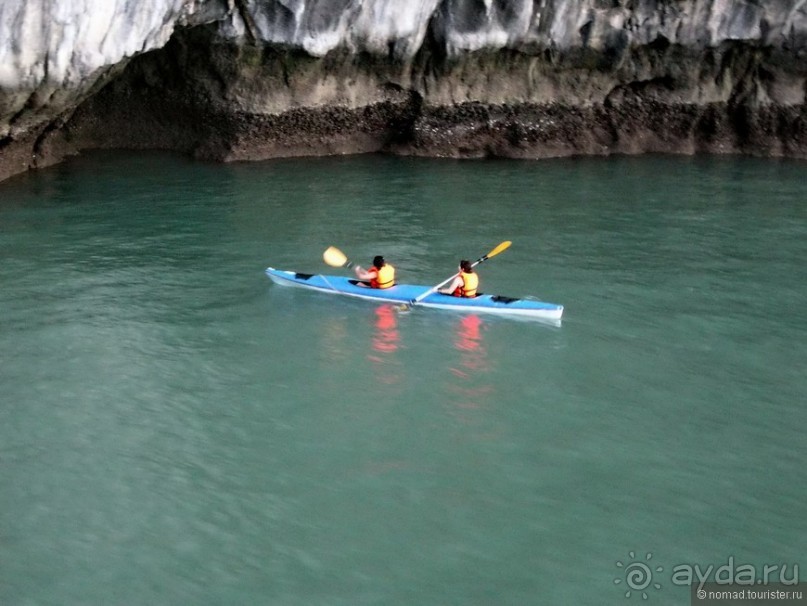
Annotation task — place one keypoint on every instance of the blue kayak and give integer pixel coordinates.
(407, 293)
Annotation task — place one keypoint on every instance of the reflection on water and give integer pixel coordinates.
(333, 339)
(468, 341)
(167, 413)
(469, 338)
(472, 369)
(386, 336)
(384, 343)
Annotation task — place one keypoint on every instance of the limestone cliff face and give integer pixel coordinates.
(251, 79)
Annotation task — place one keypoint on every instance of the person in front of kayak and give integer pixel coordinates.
(380, 275)
(466, 282)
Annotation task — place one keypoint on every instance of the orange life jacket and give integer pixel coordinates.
(382, 278)
(470, 282)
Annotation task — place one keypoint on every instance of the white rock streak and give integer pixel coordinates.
(320, 26)
(64, 41)
(62, 45)
(379, 23)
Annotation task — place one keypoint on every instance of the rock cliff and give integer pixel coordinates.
(252, 79)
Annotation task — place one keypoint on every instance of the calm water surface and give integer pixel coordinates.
(176, 429)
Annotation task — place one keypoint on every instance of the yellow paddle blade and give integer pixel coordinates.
(334, 257)
(500, 248)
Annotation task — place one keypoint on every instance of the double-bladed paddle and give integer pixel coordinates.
(500, 248)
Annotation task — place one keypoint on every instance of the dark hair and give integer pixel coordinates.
(466, 266)
(378, 261)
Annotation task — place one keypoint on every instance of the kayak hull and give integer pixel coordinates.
(406, 293)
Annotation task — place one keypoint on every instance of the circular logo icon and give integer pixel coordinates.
(637, 575)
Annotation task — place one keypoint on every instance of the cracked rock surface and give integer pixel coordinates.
(253, 79)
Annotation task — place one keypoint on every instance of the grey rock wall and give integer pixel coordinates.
(250, 79)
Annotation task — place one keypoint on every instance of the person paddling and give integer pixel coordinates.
(380, 275)
(466, 282)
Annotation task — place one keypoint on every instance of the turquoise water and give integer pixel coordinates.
(176, 429)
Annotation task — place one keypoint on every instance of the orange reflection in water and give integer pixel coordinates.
(472, 390)
(386, 335)
(385, 342)
(468, 341)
